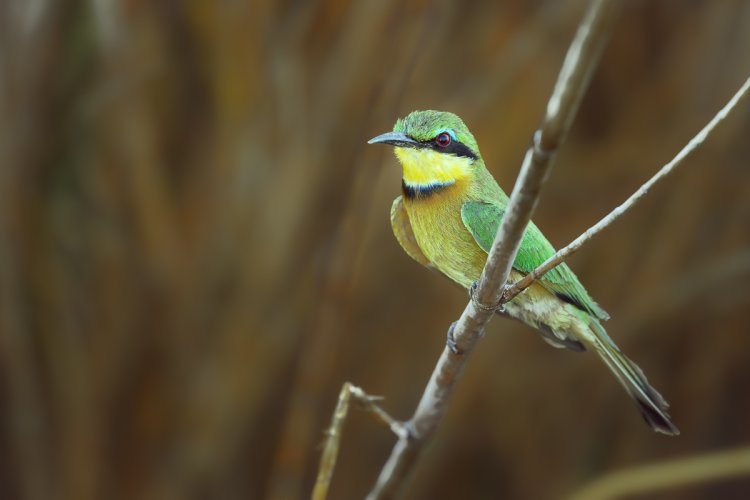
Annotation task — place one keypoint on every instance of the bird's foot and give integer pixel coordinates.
(451, 341)
(499, 307)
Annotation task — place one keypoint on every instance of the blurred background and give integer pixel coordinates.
(195, 247)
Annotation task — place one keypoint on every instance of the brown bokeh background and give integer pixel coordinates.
(195, 250)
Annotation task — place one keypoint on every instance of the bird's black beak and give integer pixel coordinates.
(398, 139)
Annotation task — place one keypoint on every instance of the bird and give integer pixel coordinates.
(446, 219)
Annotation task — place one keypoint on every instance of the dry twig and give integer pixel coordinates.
(333, 439)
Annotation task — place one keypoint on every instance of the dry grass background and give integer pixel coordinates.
(195, 250)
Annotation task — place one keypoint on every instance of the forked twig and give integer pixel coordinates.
(334, 431)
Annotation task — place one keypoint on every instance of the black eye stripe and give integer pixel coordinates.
(455, 148)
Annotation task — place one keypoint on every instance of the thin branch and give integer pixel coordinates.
(572, 82)
(615, 214)
(333, 439)
(669, 474)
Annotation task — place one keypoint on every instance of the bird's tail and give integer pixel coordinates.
(651, 404)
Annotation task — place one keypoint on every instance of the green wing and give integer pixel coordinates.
(483, 220)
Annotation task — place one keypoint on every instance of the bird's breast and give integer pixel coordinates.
(442, 235)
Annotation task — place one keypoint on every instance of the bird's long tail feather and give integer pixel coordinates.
(652, 405)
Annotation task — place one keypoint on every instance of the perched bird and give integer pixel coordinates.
(447, 218)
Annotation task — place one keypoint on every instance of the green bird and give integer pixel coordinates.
(446, 219)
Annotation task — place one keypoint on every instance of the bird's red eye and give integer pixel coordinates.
(443, 139)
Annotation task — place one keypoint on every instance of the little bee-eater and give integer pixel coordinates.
(447, 218)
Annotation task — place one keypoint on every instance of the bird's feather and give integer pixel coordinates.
(653, 407)
(404, 233)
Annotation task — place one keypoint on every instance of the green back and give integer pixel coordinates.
(483, 220)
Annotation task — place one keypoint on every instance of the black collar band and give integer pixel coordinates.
(420, 192)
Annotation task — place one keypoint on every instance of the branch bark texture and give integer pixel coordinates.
(580, 62)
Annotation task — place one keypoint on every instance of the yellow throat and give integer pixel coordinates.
(424, 167)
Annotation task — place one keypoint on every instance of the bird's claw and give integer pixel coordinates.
(451, 341)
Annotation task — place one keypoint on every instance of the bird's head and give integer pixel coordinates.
(434, 147)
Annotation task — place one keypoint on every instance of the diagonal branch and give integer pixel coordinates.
(581, 59)
(561, 255)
